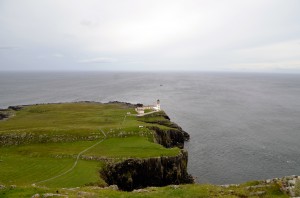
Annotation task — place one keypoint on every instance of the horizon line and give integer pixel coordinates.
(154, 71)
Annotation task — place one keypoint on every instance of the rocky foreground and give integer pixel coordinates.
(278, 187)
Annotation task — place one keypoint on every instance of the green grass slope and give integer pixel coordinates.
(42, 141)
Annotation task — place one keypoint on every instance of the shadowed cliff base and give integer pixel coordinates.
(140, 173)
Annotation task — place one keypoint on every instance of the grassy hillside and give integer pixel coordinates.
(42, 141)
(40, 147)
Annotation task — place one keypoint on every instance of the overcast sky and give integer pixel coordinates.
(126, 35)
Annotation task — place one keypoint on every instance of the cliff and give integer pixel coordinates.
(170, 135)
(139, 173)
(160, 171)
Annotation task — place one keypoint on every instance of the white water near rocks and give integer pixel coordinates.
(242, 126)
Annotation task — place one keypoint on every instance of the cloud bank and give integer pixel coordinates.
(145, 35)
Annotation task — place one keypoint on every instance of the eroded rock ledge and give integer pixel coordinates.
(169, 138)
(139, 173)
(173, 136)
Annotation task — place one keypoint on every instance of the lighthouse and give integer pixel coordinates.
(158, 105)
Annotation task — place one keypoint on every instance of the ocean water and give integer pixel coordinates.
(243, 126)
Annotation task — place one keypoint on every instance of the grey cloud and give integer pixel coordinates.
(149, 35)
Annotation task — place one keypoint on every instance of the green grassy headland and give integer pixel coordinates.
(42, 141)
(56, 133)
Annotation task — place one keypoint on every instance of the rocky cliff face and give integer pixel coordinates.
(160, 171)
(169, 137)
(139, 173)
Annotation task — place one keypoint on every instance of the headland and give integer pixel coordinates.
(92, 149)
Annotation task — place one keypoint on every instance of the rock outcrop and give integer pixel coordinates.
(3, 115)
(169, 137)
(139, 173)
(123, 103)
(289, 184)
(16, 108)
(172, 135)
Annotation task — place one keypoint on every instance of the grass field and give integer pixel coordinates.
(191, 190)
(25, 171)
(49, 137)
(40, 142)
(69, 118)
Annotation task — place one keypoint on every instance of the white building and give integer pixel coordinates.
(141, 110)
(157, 107)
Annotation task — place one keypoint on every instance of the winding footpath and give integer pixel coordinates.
(143, 114)
(75, 163)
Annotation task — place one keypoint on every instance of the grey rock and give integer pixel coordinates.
(292, 194)
(256, 187)
(225, 186)
(96, 188)
(36, 196)
(268, 181)
(53, 195)
(289, 177)
(13, 186)
(140, 190)
(258, 193)
(292, 182)
(113, 187)
(175, 186)
(83, 194)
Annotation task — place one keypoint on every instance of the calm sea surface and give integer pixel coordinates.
(242, 126)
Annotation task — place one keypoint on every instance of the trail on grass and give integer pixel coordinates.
(75, 163)
(140, 115)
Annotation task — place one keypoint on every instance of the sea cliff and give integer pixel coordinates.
(140, 173)
(158, 171)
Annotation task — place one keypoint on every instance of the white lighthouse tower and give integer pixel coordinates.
(158, 105)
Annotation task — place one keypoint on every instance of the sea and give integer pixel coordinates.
(243, 126)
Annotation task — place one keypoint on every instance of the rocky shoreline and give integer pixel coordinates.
(289, 184)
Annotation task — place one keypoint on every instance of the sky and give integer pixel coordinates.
(150, 35)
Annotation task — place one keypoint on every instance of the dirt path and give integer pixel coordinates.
(75, 163)
(139, 115)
